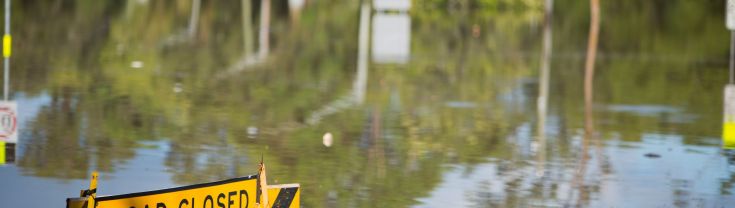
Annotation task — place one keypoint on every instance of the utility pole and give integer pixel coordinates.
(7, 40)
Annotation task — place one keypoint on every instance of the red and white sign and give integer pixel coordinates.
(8, 121)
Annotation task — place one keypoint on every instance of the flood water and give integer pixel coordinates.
(434, 106)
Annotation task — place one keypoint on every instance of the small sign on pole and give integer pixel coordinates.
(730, 14)
(8, 122)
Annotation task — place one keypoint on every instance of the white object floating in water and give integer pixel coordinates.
(460, 104)
(136, 64)
(252, 131)
(534, 146)
(327, 139)
(178, 88)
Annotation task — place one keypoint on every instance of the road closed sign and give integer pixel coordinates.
(239, 192)
(232, 193)
(8, 122)
(730, 14)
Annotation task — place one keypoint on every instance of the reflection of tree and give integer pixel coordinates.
(65, 142)
(199, 163)
(543, 97)
(650, 66)
(384, 156)
(51, 137)
(727, 185)
(579, 183)
(645, 67)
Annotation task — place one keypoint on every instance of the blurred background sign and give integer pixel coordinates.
(8, 122)
(396, 5)
(8, 131)
(391, 38)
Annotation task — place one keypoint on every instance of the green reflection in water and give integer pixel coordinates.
(119, 73)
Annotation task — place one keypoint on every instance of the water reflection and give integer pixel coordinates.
(264, 32)
(581, 186)
(543, 97)
(249, 58)
(295, 7)
(453, 121)
(194, 20)
(359, 86)
(247, 28)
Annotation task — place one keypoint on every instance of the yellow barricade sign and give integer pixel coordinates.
(2, 152)
(7, 40)
(240, 192)
(7, 152)
(728, 135)
(286, 195)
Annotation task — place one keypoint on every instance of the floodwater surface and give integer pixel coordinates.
(433, 105)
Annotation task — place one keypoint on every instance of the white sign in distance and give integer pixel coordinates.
(8, 121)
(730, 14)
(391, 38)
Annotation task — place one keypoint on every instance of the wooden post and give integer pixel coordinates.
(91, 193)
(7, 45)
(589, 66)
(262, 186)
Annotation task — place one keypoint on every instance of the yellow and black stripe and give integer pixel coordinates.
(287, 195)
(7, 153)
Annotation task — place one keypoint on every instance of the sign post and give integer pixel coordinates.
(8, 109)
(730, 15)
(7, 45)
(728, 125)
(8, 131)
